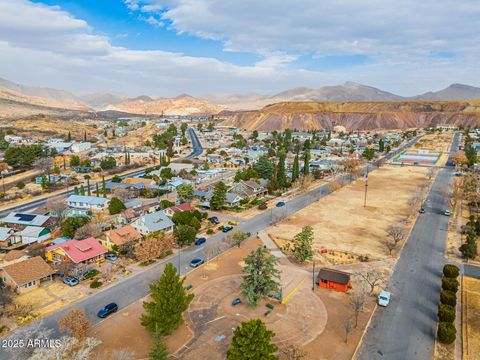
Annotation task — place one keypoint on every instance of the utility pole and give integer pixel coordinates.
(366, 188)
(313, 276)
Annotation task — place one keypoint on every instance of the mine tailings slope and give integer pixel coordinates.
(358, 115)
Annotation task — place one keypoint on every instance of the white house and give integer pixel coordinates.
(33, 234)
(87, 202)
(156, 221)
(82, 146)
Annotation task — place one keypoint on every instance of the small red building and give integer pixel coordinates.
(334, 279)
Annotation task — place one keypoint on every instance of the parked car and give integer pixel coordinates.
(280, 204)
(214, 220)
(458, 174)
(447, 213)
(196, 262)
(71, 281)
(200, 241)
(236, 301)
(262, 207)
(422, 210)
(107, 310)
(227, 228)
(111, 256)
(384, 298)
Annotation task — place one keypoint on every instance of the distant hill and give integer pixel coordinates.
(453, 92)
(101, 100)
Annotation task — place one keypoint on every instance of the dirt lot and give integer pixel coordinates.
(342, 224)
(471, 318)
(438, 141)
(136, 137)
(312, 320)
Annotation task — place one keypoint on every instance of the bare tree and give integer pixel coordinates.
(108, 271)
(70, 348)
(430, 173)
(292, 352)
(212, 250)
(35, 330)
(65, 267)
(36, 249)
(77, 271)
(57, 207)
(6, 295)
(44, 164)
(122, 354)
(88, 230)
(75, 323)
(390, 245)
(373, 278)
(348, 327)
(351, 166)
(357, 301)
(397, 232)
(237, 238)
(121, 193)
(152, 247)
(334, 186)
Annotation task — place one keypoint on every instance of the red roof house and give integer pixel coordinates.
(334, 279)
(181, 207)
(79, 251)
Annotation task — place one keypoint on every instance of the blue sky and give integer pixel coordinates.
(167, 47)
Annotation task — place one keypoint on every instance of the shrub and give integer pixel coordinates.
(450, 271)
(446, 313)
(96, 284)
(446, 332)
(209, 231)
(20, 184)
(448, 298)
(91, 274)
(450, 284)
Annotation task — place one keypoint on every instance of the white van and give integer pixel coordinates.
(384, 298)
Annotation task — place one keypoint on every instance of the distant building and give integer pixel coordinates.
(87, 202)
(156, 221)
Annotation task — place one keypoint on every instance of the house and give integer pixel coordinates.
(249, 189)
(146, 182)
(78, 251)
(21, 220)
(82, 146)
(334, 279)
(87, 202)
(156, 221)
(180, 207)
(33, 234)
(232, 200)
(26, 274)
(120, 236)
(7, 240)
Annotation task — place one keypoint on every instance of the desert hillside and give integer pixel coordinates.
(358, 115)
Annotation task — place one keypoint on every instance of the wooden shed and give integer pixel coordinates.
(334, 279)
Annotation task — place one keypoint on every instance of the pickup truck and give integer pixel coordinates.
(384, 298)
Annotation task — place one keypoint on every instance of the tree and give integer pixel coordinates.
(446, 332)
(296, 168)
(397, 233)
(348, 327)
(159, 349)
(390, 245)
(115, 206)
(152, 247)
(357, 301)
(169, 301)
(381, 146)
(351, 165)
(262, 277)
(446, 313)
(120, 193)
(69, 136)
(451, 271)
(306, 157)
(281, 174)
(108, 163)
(254, 135)
(184, 234)
(44, 164)
(75, 323)
(448, 297)
(368, 153)
(293, 352)
(373, 278)
(56, 207)
(252, 340)
(459, 158)
(71, 224)
(185, 191)
(264, 167)
(74, 161)
(450, 284)
(217, 201)
(88, 230)
(237, 238)
(6, 294)
(302, 245)
(184, 128)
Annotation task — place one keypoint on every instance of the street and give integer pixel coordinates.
(406, 328)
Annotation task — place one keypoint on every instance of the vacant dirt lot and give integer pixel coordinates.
(471, 318)
(341, 223)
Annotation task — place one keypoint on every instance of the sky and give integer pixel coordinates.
(169, 47)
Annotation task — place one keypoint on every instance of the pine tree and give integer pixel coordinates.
(126, 156)
(262, 278)
(104, 187)
(252, 340)
(82, 190)
(281, 175)
(97, 190)
(69, 136)
(169, 301)
(296, 168)
(264, 167)
(89, 193)
(219, 197)
(64, 164)
(381, 145)
(75, 190)
(302, 244)
(85, 135)
(129, 158)
(159, 349)
(306, 157)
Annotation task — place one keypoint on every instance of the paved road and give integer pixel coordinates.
(129, 290)
(471, 271)
(406, 328)
(196, 145)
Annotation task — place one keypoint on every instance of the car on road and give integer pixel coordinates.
(111, 256)
(200, 241)
(196, 262)
(422, 210)
(447, 213)
(107, 310)
(227, 228)
(280, 204)
(384, 298)
(71, 281)
(214, 220)
(458, 174)
(236, 301)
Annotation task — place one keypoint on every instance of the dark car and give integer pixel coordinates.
(280, 204)
(196, 262)
(236, 301)
(422, 210)
(227, 228)
(214, 220)
(107, 310)
(200, 241)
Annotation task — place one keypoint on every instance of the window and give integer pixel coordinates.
(325, 281)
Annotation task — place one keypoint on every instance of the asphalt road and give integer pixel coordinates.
(196, 145)
(128, 290)
(471, 271)
(405, 329)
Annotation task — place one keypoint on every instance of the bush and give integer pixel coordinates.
(96, 284)
(450, 284)
(91, 274)
(209, 231)
(448, 298)
(446, 332)
(20, 184)
(450, 271)
(446, 313)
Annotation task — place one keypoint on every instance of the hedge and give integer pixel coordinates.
(450, 271)
(450, 284)
(96, 284)
(446, 332)
(448, 297)
(446, 313)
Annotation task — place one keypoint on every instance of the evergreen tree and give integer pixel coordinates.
(75, 190)
(159, 349)
(381, 146)
(64, 164)
(306, 157)
(85, 135)
(97, 191)
(169, 301)
(281, 175)
(252, 340)
(183, 128)
(262, 277)
(104, 187)
(217, 201)
(89, 193)
(302, 244)
(115, 206)
(69, 136)
(125, 161)
(296, 168)
(264, 167)
(82, 190)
